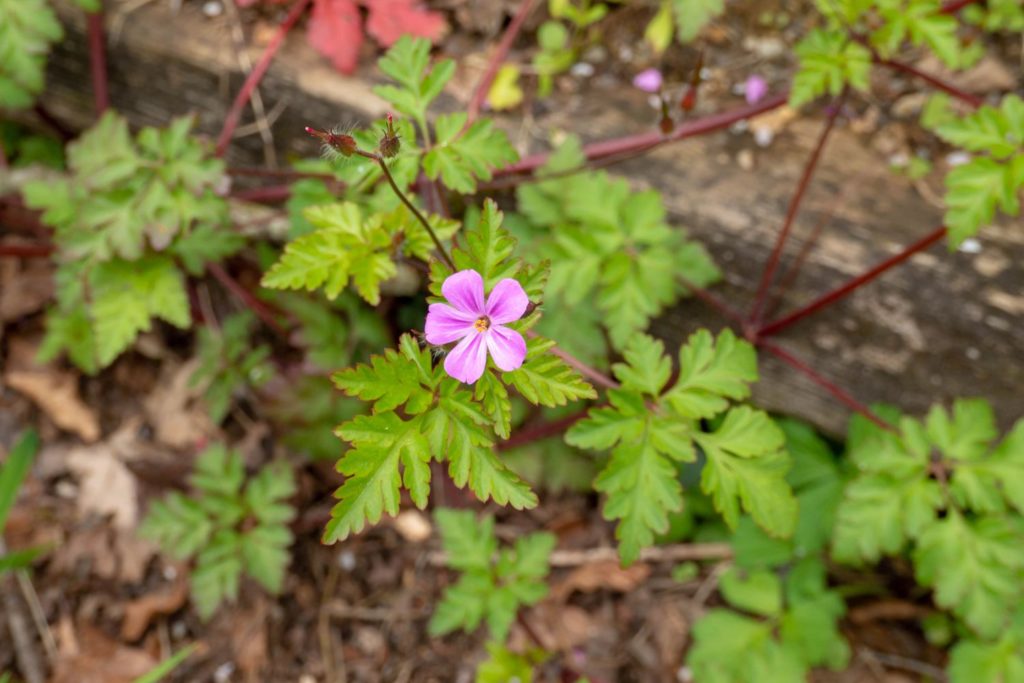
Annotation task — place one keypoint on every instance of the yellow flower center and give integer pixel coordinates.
(482, 324)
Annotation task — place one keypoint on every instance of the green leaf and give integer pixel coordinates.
(27, 29)
(464, 156)
(647, 368)
(344, 247)
(15, 469)
(746, 466)
(266, 494)
(217, 573)
(165, 667)
(502, 665)
(219, 471)
(391, 380)
(127, 295)
(817, 483)
(179, 525)
(759, 592)
(206, 244)
(711, 372)
(469, 542)
(694, 15)
(265, 552)
(227, 364)
(545, 379)
(381, 442)
(1001, 660)
(975, 567)
(973, 192)
(492, 395)
(829, 61)
(605, 427)
(406, 62)
(999, 132)
(728, 648)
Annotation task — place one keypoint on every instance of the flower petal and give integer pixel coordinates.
(507, 302)
(466, 362)
(465, 291)
(446, 324)
(507, 347)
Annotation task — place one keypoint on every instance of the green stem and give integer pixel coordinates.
(412, 207)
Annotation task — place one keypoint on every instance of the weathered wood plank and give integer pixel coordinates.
(942, 325)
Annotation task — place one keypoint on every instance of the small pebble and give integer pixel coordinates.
(745, 159)
(170, 572)
(213, 8)
(347, 560)
(973, 353)
(582, 70)
(971, 246)
(957, 158)
(764, 136)
(223, 672)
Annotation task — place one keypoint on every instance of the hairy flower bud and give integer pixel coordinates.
(339, 142)
(390, 144)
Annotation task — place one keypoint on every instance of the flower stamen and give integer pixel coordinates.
(482, 324)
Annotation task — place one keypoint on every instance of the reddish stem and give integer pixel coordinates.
(98, 60)
(494, 63)
(838, 392)
(955, 6)
(594, 375)
(857, 282)
(794, 208)
(245, 296)
(4, 162)
(713, 301)
(652, 139)
(790, 275)
(540, 431)
(256, 75)
(26, 250)
(934, 81)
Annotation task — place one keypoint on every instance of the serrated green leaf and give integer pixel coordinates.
(502, 665)
(647, 368)
(27, 29)
(545, 379)
(463, 156)
(219, 471)
(693, 15)
(974, 566)
(391, 380)
(217, 574)
(371, 489)
(179, 525)
(406, 62)
(746, 467)
(759, 591)
(829, 61)
(206, 244)
(469, 541)
(344, 247)
(265, 552)
(729, 648)
(127, 295)
(711, 372)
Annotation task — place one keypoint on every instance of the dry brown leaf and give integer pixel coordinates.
(106, 553)
(249, 638)
(173, 409)
(600, 575)
(413, 525)
(139, 613)
(25, 287)
(107, 486)
(670, 630)
(559, 627)
(56, 393)
(87, 655)
(989, 74)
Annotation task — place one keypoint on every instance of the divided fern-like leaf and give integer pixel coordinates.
(463, 156)
(27, 29)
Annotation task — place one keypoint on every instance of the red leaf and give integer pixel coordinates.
(334, 32)
(389, 20)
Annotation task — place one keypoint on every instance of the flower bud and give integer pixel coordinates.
(339, 142)
(389, 145)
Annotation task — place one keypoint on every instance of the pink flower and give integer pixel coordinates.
(648, 80)
(755, 89)
(480, 326)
